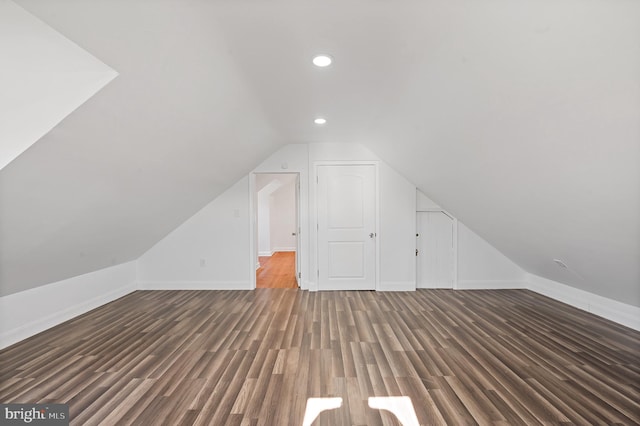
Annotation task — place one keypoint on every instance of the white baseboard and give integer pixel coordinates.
(265, 253)
(396, 286)
(610, 309)
(277, 249)
(490, 284)
(194, 285)
(305, 284)
(32, 311)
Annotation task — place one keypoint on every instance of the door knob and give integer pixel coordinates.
(371, 235)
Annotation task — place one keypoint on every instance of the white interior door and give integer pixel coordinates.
(347, 227)
(435, 250)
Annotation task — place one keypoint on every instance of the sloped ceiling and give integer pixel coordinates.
(521, 118)
(43, 78)
(172, 131)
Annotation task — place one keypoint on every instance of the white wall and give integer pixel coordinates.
(215, 249)
(424, 203)
(226, 243)
(480, 265)
(282, 216)
(264, 223)
(29, 312)
(397, 231)
(208, 251)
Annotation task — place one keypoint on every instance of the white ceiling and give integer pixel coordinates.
(44, 77)
(521, 118)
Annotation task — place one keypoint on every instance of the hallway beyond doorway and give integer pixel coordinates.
(277, 271)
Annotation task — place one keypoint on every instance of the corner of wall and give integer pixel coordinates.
(610, 309)
(208, 249)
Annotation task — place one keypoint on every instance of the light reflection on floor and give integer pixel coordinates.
(399, 406)
(315, 406)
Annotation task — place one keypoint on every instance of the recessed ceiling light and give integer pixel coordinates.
(322, 60)
(320, 120)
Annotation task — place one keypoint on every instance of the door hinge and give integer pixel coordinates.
(318, 273)
(300, 275)
(416, 252)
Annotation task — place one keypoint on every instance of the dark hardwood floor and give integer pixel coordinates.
(254, 357)
(277, 271)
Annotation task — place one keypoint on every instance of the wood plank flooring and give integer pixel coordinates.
(254, 357)
(277, 271)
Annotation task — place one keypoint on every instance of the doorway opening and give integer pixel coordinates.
(276, 230)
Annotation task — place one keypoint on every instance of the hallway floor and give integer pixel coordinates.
(277, 271)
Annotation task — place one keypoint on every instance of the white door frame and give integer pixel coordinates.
(253, 234)
(298, 230)
(455, 243)
(315, 284)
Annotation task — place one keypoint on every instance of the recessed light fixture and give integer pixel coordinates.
(322, 60)
(320, 120)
